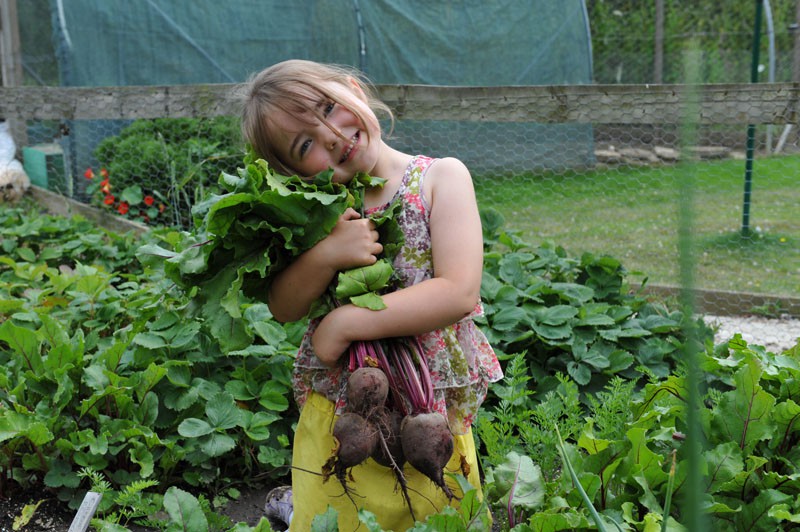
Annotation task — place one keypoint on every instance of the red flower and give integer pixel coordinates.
(109, 199)
(104, 173)
(105, 186)
(88, 174)
(123, 208)
(149, 200)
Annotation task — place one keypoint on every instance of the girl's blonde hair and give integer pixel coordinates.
(293, 86)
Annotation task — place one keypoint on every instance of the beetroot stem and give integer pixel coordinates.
(405, 368)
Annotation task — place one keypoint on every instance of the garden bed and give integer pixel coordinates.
(598, 355)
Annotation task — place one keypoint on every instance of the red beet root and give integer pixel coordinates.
(367, 390)
(428, 445)
(390, 454)
(357, 439)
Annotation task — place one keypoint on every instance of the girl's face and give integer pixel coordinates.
(309, 146)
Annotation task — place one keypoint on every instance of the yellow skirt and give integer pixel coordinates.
(374, 486)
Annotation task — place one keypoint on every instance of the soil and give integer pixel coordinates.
(50, 515)
(248, 508)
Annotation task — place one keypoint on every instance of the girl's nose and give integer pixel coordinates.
(330, 140)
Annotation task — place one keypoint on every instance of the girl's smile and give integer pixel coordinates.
(350, 148)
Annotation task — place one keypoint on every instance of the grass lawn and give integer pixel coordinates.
(632, 213)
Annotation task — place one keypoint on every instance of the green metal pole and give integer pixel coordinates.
(751, 128)
(695, 484)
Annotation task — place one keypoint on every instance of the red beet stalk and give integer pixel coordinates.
(403, 362)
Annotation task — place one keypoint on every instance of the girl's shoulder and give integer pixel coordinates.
(447, 166)
(446, 173)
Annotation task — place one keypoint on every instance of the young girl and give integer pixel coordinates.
(303, 118)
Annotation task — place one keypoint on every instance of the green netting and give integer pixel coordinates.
(510, 42)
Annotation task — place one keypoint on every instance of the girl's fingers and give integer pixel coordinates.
(350, 214)
(357, 241)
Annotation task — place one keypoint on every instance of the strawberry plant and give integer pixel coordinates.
(30, 237)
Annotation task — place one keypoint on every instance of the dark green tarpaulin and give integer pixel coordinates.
(469, 42)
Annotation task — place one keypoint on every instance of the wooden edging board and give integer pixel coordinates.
(58, 204)
(728, 303)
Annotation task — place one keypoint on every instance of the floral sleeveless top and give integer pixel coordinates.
(460, 359)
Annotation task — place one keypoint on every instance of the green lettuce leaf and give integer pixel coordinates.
(363, 280)
(255, 228)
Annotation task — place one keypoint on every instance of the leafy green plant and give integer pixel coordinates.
(574, 316)
(498, 427)
(516, 485)
(247, 234)
(129, 503)
(598, 521)
(106, 370)
(632, 470)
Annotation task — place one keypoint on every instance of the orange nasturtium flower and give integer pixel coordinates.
(109, 199)
(105, 186)
(149, 200)
(88, 174)
(123, 208)
(104, 173)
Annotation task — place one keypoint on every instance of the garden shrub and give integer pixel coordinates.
(176, 161)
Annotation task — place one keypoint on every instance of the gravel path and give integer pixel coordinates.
(775, 334)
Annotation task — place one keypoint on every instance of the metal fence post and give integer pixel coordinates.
(751, 128)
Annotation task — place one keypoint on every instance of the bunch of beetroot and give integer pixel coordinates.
(390, 415)
(390, 397)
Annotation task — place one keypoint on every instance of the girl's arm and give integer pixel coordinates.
(353, 242)
(452, 293)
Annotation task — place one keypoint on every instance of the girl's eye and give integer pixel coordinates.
(328, 108)
(304, 147)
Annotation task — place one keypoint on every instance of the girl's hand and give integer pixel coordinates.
(329, 340)
(353, 242)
